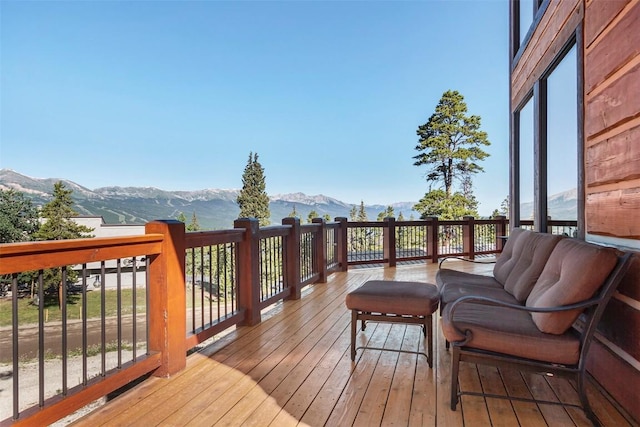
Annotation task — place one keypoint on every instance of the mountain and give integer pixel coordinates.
(561, 206)
(214, 208)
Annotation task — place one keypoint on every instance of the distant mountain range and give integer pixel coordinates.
(561, 206)
(214, 208)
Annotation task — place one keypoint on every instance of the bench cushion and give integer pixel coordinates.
(575, 271)
(509, 331)
(524, 258)
(447, 277)
(452, 293)
(395, 297)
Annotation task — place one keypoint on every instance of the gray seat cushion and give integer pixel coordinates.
(509, 331)
(448, 277)
(452, 293)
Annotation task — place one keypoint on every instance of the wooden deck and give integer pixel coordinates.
(294, 369)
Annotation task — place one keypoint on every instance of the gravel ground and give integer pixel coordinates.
(28, 382)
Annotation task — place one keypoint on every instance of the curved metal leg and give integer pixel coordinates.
(455, 364)
(354, 325)
(584, 400)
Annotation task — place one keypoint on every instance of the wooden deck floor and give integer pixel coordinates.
(294, 369)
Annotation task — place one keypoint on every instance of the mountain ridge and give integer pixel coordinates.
(214, 208)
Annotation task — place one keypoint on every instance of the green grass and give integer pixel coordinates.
(28, 312)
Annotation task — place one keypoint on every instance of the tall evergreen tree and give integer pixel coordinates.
(386, 213)
(504, 206)
(18, 217)
(294, 213)
(353, 213)
(362, 213)
(450, 142)
(450, 146)
(58, 225)
(193, 225)
(313, 214)
(253, 200)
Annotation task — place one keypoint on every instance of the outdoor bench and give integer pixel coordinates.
(524, 314)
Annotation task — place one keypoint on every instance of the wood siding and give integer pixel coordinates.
(611, 129)
(554, 30)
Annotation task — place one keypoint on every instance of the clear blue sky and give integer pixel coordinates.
(175, 95)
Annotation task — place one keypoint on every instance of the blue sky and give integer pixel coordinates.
(175, 95)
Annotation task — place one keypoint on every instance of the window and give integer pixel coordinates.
(562, 139)
(526, 161)
(525, 18)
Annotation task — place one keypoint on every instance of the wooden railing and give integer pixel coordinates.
(192, 286)
(394, 241)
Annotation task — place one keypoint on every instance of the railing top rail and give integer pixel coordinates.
(310, 227)
(205, 238)
(27, 256)
(274, 231)
(453, 222)
(356, 224)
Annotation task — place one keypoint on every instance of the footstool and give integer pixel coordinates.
(395, 302)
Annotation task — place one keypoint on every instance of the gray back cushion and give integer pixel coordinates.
(574, 273)
(522, 261)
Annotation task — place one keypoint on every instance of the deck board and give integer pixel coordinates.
(294, 368)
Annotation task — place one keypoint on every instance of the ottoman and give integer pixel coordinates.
(396, 302)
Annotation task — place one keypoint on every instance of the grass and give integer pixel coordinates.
(28, 312)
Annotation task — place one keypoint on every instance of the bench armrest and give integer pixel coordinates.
(463, 259)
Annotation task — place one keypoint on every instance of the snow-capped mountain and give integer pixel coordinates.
(214, 208)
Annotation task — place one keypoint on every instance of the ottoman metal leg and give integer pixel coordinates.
(429, 337)
(354, 326)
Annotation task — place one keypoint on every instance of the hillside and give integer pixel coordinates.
(214, 208)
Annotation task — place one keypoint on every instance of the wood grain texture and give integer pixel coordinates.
(555, 29)
(294, 368)
(628, 338)
(614, 160)
(617, 46)
(615, 105)
(619, 378)
(597, 15)
(614, 213)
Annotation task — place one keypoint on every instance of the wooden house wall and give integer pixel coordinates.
(611, 78)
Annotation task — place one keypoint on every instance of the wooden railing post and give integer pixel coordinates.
(501, 231)
(249, 270)
(342, 244)
(292, 253)
(167, 297)
(389, 247)
(433, 238)
(469, 237)
(320, 252)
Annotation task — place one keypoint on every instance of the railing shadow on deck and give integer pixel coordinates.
(159, 295)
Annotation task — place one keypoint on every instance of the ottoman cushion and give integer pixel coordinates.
(395, 297)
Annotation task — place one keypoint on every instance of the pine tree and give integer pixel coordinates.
(387, 213)
(18, 217)
(193, 225)
(353, 213)
(58, 225)
(294, 213)
(253, 200)
(450, 145)
(362, 213)
(58, 213)
(313, 214)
